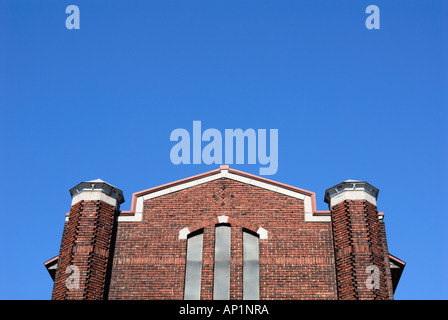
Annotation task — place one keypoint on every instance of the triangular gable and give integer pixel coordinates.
(309, 198)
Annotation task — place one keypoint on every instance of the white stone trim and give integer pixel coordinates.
(156, 194)
(351, 190)
(290, 193)
(182, 186)
(92, 196)
(266, 186)
(223, 219)
(309, 216)
(352, 195)
(263, 233)
(263, 185)
(224, 173)
(95, 190)
(139, 205)
(137, 217)
(238, 178)
(184, 233)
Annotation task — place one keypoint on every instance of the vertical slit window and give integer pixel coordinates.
(193, 268)
(251, 266)
(221, 284)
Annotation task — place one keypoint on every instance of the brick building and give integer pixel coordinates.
(224, 234)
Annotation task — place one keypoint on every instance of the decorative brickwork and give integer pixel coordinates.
(296, 261)
(300, 253)
(359, 251)
(86, 246)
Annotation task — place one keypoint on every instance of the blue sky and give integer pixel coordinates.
(101, 102)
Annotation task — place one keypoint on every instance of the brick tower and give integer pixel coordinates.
(360, 258)
(86, 242)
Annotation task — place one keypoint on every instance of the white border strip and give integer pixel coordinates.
(309, 217)
(92, 196)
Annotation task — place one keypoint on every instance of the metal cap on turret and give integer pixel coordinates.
(97, 190)
(351, 190)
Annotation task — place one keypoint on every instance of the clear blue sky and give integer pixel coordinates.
(101, 102)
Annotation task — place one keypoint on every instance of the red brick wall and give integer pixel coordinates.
(85, 244)
(386, 260)
(358, 243)
(296, 261)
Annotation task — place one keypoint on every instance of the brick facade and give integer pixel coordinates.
(303, 253)
(85, 244)
(358, 245)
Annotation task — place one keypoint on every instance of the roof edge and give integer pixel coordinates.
(224, 169)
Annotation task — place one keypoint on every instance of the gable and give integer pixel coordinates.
(224, 172)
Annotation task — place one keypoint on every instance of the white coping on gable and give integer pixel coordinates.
(225, 174)
(182, 186)
(309, 216)
(138, 213)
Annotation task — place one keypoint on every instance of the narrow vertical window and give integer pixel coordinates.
(221, 285)
(251, 266)
(193, 266)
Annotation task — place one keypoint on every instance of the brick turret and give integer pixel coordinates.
(358, 241)
(86, 241)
